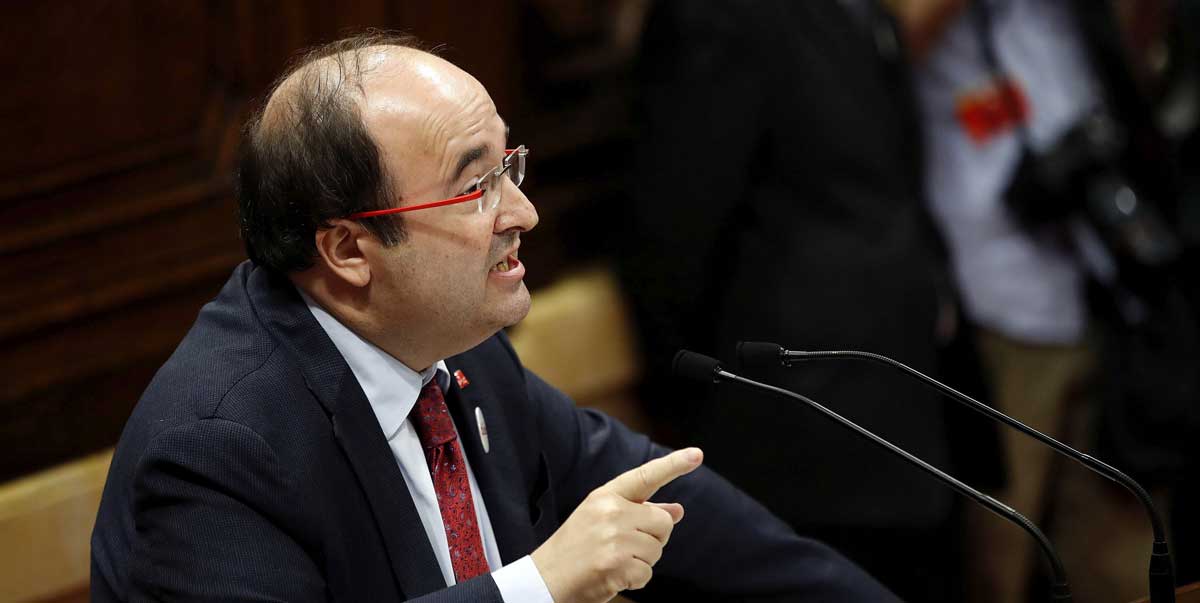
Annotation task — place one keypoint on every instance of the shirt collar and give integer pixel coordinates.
(391, 387)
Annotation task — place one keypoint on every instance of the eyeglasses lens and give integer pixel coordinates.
(514, 168)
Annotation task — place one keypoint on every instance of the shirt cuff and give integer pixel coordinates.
(520, 582)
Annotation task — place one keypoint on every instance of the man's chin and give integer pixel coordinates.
(519, 308)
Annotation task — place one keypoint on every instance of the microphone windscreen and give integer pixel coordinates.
(755, 356)
(697, 367)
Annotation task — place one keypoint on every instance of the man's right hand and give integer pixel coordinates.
(613, 539)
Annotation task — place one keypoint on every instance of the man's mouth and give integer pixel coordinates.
(507, 264)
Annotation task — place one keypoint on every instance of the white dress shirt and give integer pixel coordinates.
(392, 389)
(1010, 283)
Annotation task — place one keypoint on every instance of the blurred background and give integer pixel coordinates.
(1001, 193)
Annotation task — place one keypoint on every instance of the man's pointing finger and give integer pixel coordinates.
(640, 483)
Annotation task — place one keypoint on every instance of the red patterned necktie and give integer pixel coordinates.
(435, 429)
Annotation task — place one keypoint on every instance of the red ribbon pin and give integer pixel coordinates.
(461, 378)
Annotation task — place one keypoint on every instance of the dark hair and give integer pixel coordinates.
(307, 158)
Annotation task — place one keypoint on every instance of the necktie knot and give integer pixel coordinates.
(431, 417)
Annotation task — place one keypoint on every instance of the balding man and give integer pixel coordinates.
(345, 420)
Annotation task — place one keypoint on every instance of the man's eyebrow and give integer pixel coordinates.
(467, 159)
(474, 155)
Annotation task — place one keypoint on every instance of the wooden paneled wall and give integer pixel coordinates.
(120, 122)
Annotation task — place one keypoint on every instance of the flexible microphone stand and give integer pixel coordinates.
(1162, 571)
(702, 368)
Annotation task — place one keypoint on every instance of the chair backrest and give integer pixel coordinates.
(579, 337)
(45, 530)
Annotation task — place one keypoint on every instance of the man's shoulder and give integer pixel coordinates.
(224, 344)
(230, 390)
(229, 365)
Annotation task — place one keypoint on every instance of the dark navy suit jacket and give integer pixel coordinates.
(253, 468)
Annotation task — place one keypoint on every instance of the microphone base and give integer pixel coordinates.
(1162, 575)
(1060, 592)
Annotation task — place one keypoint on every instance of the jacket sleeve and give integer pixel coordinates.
(727, 547)
(212, 510)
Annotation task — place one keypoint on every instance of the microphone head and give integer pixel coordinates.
(756, 356)
(697, 367)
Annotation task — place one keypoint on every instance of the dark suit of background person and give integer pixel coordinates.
(253, 468)
(778, 197)
(1151, 415)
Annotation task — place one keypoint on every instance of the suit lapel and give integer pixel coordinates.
(497, 471)
(327, 375)
(411, 555)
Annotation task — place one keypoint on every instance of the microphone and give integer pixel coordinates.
(1162, 571)
(699, 367)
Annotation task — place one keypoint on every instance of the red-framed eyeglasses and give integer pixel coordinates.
(487, 191)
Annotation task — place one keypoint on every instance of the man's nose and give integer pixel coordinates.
(516, 211)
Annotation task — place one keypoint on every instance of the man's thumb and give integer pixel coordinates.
(675, 509)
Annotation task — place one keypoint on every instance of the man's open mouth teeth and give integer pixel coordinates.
(505, 265)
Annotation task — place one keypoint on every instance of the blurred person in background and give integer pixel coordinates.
(778, 197)
(1053, 179)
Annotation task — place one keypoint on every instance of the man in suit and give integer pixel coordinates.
(345, 422)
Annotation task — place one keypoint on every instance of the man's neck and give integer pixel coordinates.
(406, 352)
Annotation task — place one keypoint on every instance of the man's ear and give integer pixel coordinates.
(341, 248)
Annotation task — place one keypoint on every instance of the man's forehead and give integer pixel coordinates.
(422, 110)
(424, 98)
